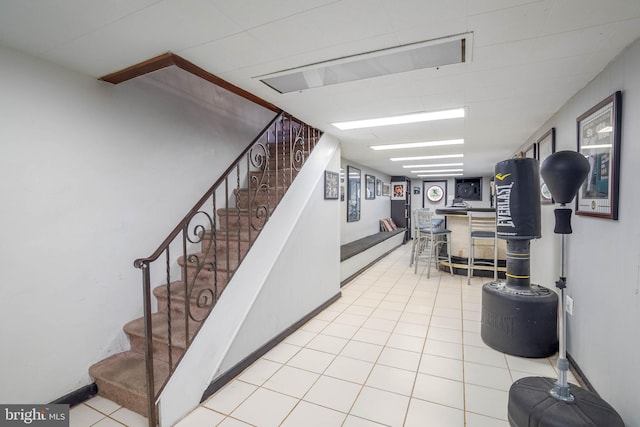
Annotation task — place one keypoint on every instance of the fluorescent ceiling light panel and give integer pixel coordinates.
(439, 156)
(418, 144)
(593, 147)
(438, 171)
(433, 165)
(439, 174)
(455, 113)
(415, 56)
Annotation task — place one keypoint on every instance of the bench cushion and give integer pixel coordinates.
(353, 248)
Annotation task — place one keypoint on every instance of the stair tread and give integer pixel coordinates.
(261, 190)
(240, 211)
(127, 371)
(232, 235)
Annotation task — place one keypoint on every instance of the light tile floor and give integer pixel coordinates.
(397, 349)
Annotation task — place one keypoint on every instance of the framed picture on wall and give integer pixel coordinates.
(370, 187)
(342, 184)
(546, 147)
(378, 187)
(331, 185)
(599, 141)
(353, 194)
(386, 189)
(399, 190)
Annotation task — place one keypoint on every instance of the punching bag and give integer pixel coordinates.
(518, 318)
(517, 199)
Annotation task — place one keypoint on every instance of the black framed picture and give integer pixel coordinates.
(546, 146)
(370, 187)
(331, 187)
(353, 194)
(599, 141)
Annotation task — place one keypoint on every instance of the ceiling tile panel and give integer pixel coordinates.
(508, 25)
(252, 14)
(333, 25)
(37, 27)
(235, 52)
(170, 25)
(571, 15)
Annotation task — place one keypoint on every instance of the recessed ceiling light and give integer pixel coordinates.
(438, 171)
(439, 174)
(440, 156)
(418, 144)
(403, 119)
(454, 49)
(433, 165)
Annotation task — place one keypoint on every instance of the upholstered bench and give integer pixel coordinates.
(358, 255)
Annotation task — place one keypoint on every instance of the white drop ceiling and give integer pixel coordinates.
(527, 58)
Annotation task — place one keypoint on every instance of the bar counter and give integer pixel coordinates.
(458, 222)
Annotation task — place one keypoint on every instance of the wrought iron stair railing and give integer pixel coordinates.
(211, 242)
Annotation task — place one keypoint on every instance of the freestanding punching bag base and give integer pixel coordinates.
(522, 321)
(531, 405)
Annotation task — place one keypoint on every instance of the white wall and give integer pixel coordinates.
(603, 256)
(92, 176)
(371, 211)
(292, 269)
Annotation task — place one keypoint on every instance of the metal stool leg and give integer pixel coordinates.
(470, 261)
(449, 253)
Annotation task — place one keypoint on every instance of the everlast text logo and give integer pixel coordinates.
(503, 205)
(498, 321)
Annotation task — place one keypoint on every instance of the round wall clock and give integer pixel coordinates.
(544, 191)
(435, 193)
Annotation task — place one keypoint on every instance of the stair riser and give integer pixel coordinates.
(122, 397)
(178, 311)
(283, 142)
(242, 222)
(287, 162)
(160, 349)
(244, 235)
(272, 179)
(260, 198)
(206, 278)
(222, 248)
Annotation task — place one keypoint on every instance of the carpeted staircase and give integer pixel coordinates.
(205, 272)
